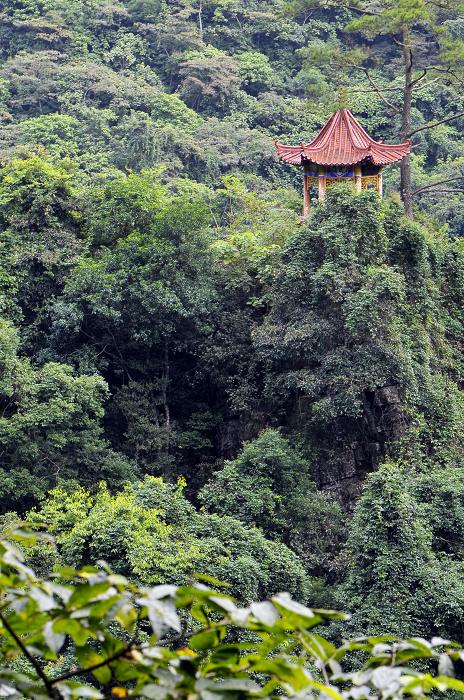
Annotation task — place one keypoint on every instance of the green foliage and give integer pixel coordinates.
(124, 206)
(38, 234)
(360, 303)
(269, 485)
(153, 535)
(255, 71)
(402, 576)
(123, 642)
(160, 302)
(49, 427)
(146, 298)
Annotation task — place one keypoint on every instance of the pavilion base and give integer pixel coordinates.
(361, 177)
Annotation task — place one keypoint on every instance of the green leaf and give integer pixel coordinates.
(83, 593)
(105, 610)
(318, 646)
(452, 683)
(212, 580)
(204, 640)
(124, 671)
(445, 666)
(87, 658)
(230, 684)
(153, 691)
(77, 690)
(266, 612)
(55, 640)
(162, 614)
(294, 614)
(44, 600)
(226, 655)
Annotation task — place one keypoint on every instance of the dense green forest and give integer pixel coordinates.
(192, 378)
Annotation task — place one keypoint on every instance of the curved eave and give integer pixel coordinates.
(378, 153)
(382, 154)
(290, 154)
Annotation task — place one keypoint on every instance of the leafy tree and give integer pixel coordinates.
(397, 582)
(39, 235)
(153, 535)
(255, 71)
(145, 300)
(123, 635)
(176, 34)
(126, 50)
(143, 10)
(32, 81)
(209, 74)
(269, 485)
(49, 428)
(72, 137)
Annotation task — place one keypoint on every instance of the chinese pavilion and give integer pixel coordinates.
(342, 152)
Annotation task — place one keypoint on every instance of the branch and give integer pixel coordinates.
(377, 90)
(430, 126)
(131, 646)
(398, 43)
(443, 189)
(417, 80)
(48, 683)
(187, 635)
(438, 182)
(421, 87)
(443, 70)
(382, 89)
(398, 87)
(105, 662)
(363, 12)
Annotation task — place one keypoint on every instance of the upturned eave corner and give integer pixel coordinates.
(342, 151)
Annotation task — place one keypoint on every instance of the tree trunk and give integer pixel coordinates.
(200, 19)
(406, 192)
(165, 393)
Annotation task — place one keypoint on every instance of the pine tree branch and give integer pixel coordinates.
(430, 126)
(398, 43)
(421, 77)
(378, 91)
(443, 189)
(361, 10)
(421, 87)
(397, 87)
(439, 182)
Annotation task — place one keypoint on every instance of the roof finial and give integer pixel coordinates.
(341, 96)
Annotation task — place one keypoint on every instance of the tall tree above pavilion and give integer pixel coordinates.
(408, 25)
(342, 152)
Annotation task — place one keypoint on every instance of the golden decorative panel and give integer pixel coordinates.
(329, 181)
(312, 180)
(370, 181)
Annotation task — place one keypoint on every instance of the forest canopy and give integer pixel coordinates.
(196, 380)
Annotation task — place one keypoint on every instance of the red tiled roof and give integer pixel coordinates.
(343, 141)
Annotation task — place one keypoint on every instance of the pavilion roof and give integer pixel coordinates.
(343, 141)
